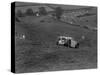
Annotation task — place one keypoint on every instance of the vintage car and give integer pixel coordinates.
(67, 41)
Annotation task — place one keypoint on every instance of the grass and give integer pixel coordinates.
(39, 52)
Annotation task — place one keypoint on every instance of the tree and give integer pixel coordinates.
(29, 12)
(19, 13)
(58, 12)
(42, 11)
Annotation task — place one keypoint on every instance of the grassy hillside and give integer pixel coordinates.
(39, 52)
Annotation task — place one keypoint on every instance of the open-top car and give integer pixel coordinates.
(67, 41)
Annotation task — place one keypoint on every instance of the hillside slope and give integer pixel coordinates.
(39, 52)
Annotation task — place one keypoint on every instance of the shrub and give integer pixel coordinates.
(19, 13)
(42, 11)
(58, 12)
(29, 12)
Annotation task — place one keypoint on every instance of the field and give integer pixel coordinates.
(39, 52)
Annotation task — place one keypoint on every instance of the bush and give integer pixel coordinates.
(29, 12)
(42, 11)
(19, 13)
(58, 12)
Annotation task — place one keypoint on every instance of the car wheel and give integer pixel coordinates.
(77, 45)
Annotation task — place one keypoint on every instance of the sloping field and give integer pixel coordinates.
(39, 52)
(89, 21)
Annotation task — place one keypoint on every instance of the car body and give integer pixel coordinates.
(67, 41)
